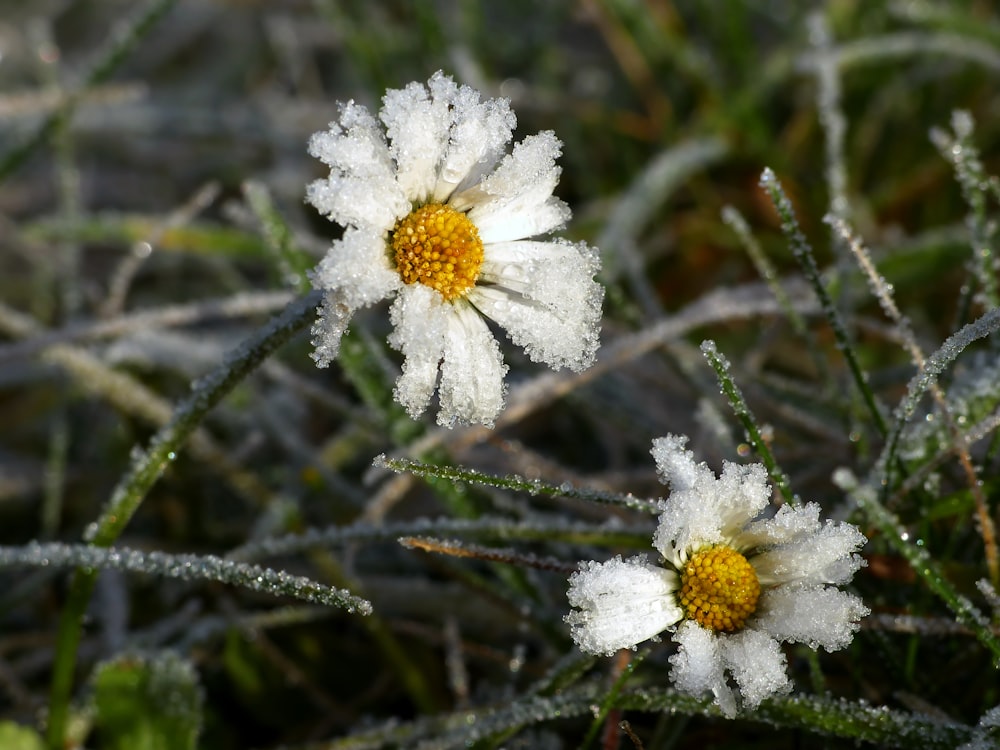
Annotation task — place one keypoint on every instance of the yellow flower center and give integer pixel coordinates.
(438, 246)
(719, 589)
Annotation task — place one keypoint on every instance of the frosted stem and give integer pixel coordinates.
(954, 345)
(879, 726)
(513, 483)
(803, 254)
(733, 394)
(493, 527)
(184, 567)
(883, 292)
(964, 157)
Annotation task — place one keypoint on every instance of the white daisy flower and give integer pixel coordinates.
(734, 584)
(438, 217)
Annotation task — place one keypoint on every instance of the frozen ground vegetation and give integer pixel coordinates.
(659, 382)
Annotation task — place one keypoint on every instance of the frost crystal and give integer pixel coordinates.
(439, 145)
(796, 562)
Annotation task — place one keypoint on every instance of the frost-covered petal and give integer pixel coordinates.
(756, 662)
(546, 336)
(417, 119)
(361, 189)
(814, 615)
(516, 201)
(472, 388)
(518, 221)
(698, 667)
(826, 556)
(357, 268)
(676, 465)
(329, 329)
(620, 604)
(701, 509)
(558, 273)
(421, 321)
(788, 524)
(479, 135)
(549, 303)
(353, 144)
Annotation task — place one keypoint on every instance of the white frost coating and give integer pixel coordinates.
(516, 200)
(815, 615)
(331, 323)
(360, 270)
(621, 603)
(421, 325)
(361, 189)
(795, 555)
(472, 387)
(417, 123)
(442, 143)
(757, 663)
(704, 509)
(698, 667)
(824, 556)
(477, 141)
(788, 524)
(550, 306)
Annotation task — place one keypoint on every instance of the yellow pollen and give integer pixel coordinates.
(438, 246)
(719, 589)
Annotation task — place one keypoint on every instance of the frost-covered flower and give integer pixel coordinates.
(439, 216)
(735, 582)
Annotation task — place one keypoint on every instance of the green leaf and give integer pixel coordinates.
(147, 703)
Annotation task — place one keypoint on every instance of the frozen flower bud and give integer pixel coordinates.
(440, 219)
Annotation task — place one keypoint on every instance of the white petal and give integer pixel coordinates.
(516, 200)
(524, 217)
(698, 667)
(826, 556)
(676, 465)
(472, 388)
(557, 273)
(621, 603)
(740, 494)
(421, 320)
(417, 122)
(479, 135)
(756, 662)
(329, 328)
(814, 615)
(361, 189)
(701, 509)
(549, 304)
(357, 267)
(354, 142)
(788, 524)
